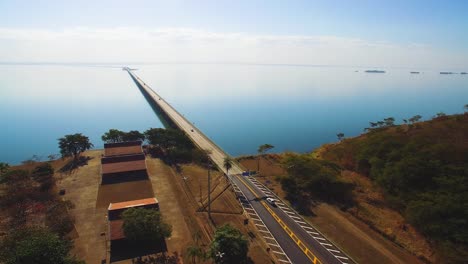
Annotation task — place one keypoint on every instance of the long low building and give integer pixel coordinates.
(122, 148)
(123, 162)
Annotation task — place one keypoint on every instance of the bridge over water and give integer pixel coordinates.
(290, 237)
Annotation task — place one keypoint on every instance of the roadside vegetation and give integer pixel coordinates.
(422, 168)
(309, 179)
(229, 246)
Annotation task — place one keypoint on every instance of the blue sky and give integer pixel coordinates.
(440, 26)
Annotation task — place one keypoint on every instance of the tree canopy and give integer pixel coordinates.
(229, 246)
(168, 138)
(73, 145)
(227, 164)
(4, 167)
(145, 225)
(423, 173)
(309, 178)
(264, 148)
(35, 245)
(44, 175)
(115, 136)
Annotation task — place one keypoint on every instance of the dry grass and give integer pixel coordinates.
(350, 233)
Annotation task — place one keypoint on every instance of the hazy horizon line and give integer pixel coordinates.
(123, 64)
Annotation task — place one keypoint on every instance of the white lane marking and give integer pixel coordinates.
(341, 257)
(272, 244)
(332, 250)
(308, 227)
(315, 233)
(326, 244)
(277, 252)
(320, 238)
(302, 222)
(295, 217)
(285, 261)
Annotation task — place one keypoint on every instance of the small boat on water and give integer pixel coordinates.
(414, 72)
(375, 71)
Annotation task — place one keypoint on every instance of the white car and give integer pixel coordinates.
(271, 201)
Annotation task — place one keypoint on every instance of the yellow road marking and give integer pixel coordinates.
(285, 227)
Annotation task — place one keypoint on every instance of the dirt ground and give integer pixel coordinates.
(191, 183)
(81, 187)
(349, 233)
(181, 196)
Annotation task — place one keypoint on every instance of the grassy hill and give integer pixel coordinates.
(422, 169)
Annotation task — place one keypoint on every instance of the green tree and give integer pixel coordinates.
(4, 167)
(440, 114)
(113, 136)
(229, 246)
(145, 225)
(262, 149)
(340, 136)
(44, 175)
(389, 121)
(35, 245)
(168, 138)
(227, 164)
(73, 145)
(415, 119)
(195, 253)
(133, 135)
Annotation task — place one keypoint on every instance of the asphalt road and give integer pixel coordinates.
(299, 245)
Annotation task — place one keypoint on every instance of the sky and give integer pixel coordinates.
(413, 34)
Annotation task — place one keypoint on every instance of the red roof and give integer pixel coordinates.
(116, 230)
(134, 203)
(126, 166)
(124, 150)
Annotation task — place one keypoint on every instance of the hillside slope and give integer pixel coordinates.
(422, 170)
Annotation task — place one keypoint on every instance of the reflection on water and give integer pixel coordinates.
(238, 106)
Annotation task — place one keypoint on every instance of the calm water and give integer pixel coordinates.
(238, 106)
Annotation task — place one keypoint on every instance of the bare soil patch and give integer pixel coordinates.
(124, 191)
(81, 187)
(190, 187)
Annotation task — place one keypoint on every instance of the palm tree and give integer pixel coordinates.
(261, 150)
(227, 163)
(195, 252)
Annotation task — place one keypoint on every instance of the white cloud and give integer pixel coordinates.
(191, 45)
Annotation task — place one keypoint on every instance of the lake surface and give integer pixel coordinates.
(294, 108)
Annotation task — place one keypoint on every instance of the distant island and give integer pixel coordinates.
(463, 72)
(414, 72)
(447, 73)
(375, 71)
